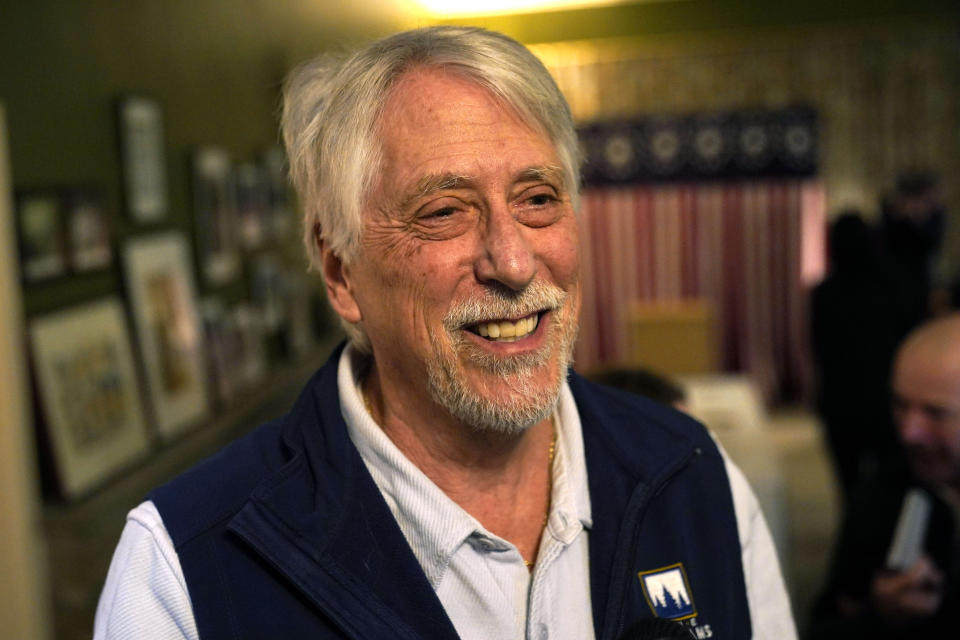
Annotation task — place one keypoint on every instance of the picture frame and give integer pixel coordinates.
(40, 234)
(252, 360)
(281, 217)
(143, 158)
(223, 350)
(89, 393)
(88, 230)
(253, 205)
(61, 230)
(163, 303)
(215, 215)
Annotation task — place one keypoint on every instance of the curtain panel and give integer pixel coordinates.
(751, 249)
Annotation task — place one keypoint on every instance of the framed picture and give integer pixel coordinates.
(41, 234)
(268, 291)
(223, 350)
(215, 215)
(252, 204)
(163, 302)
(282, 219)
(143, 158)
(300, 336)
(88, 391)
(249, 324)
(87, 230)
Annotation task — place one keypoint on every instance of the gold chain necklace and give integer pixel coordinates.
(551, 452)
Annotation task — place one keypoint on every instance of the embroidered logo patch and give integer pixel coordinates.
(668, 592)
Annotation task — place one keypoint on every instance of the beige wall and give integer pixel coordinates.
(24, 603)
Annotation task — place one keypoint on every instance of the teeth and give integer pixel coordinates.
(506, 331)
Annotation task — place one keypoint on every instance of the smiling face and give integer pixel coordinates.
(467, 278)
(926, 398)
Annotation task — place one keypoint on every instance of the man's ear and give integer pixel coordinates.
(336, 276)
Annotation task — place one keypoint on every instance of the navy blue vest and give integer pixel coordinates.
(284, 534)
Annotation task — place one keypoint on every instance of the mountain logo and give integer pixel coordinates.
(668, 592)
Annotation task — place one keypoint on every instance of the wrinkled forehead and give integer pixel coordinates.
(415, 99)
(440, 125)
(458, 80)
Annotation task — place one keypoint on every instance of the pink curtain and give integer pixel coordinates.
(751, 249)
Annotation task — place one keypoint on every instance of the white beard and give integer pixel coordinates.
(528, 403)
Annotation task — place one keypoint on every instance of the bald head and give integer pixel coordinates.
(937, 341)
(926, 392)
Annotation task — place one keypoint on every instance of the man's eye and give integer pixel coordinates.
(441, 209)
(443, 212)
(539, 206)
(443, 220)
(541, 199)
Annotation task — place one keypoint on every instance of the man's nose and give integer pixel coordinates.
(507, 257)
(913, 426)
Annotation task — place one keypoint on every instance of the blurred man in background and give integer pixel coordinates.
(868, 594)
(911, 232)
(858, 316)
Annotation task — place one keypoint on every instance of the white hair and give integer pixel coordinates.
(332, 105)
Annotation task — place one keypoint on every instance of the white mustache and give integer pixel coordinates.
(497, 304)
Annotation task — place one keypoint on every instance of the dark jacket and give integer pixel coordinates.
(284, 534)
(860, 552)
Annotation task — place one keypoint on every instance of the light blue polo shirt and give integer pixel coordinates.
(479, 577)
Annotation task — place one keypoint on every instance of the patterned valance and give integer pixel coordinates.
(730, 145)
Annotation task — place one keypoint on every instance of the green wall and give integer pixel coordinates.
(215, 65)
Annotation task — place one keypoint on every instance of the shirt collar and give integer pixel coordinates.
(570, 495)
(433, 524)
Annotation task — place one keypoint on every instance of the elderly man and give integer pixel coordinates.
(866, 597)
(445, 474)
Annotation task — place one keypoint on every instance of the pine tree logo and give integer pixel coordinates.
(668, 592)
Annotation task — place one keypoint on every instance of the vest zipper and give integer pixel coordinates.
(635, 512)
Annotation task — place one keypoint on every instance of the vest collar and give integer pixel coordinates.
(323, 524)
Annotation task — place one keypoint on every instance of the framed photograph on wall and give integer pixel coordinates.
(88, 231)
(40, 227)
(143, 157)
(223, 350)
(163, 302)
(282, 219)
(215, 215)
(252, 205)
(88, 392)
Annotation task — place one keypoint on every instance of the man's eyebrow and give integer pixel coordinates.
(433, 183)
(547, 173)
